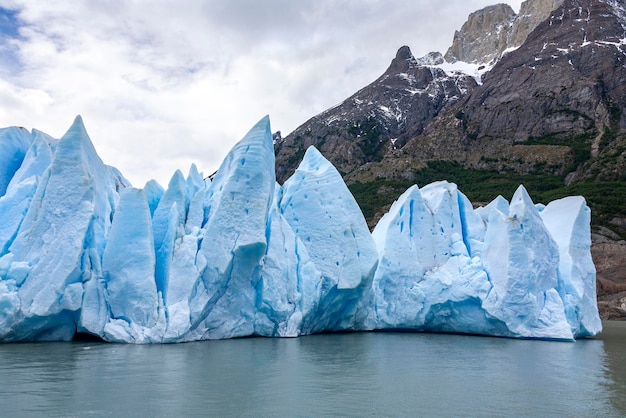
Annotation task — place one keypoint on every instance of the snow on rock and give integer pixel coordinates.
(83, 252)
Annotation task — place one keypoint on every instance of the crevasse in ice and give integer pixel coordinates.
(81, 251)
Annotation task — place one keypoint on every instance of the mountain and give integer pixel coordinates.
(379, 118)
(552, 106)
(492, 31)
(539, 100)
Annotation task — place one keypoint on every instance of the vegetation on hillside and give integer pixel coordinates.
(606, 199)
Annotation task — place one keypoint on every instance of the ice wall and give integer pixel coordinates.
(83, 251)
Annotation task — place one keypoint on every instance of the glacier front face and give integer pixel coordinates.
(82, 251)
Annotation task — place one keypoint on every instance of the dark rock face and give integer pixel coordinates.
(551, 85)
(564, 88)
(567, 77)
(609, 256)
(377, 119)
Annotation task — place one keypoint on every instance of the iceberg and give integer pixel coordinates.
(426, 279)
(84, 252)
(318, 206)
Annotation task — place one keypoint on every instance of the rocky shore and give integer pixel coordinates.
(609, 255)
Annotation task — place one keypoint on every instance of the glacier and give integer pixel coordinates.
(84, 252)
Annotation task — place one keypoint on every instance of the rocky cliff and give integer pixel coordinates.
(495, 30)
(483, 37)
(554, 105)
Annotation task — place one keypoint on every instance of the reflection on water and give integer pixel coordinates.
(614, 339)
(390, 374)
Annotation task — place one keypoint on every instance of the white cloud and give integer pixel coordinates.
(163, 84)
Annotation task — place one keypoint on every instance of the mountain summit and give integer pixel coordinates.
(495, 30)
(378, 118)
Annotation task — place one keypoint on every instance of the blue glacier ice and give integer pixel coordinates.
(426, 278)
(318, 206)
(13, 148)
(82, 251)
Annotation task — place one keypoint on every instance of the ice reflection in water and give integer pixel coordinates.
(388, 374)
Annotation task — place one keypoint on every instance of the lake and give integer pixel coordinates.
(362, 374)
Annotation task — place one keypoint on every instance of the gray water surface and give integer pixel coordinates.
(364, 374)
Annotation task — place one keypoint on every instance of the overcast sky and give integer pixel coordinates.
(163, 84)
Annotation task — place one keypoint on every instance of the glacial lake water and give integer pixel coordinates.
(360, 375)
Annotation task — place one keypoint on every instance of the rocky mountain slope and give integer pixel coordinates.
(554, 105)
(544, 105)
(494, 30)
(378, 118)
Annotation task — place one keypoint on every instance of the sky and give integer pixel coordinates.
(164, 84)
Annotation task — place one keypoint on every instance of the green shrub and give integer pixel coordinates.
(606, 199)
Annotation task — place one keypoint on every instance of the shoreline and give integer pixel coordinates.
(612, 330)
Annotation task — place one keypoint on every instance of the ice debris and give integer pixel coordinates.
(81, 251)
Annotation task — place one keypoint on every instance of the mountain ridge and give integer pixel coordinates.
(494, 30)
(373, 121)
(543, 106)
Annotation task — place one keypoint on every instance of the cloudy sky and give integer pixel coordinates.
(163, 84)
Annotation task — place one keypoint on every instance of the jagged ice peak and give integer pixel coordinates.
(82, 251)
